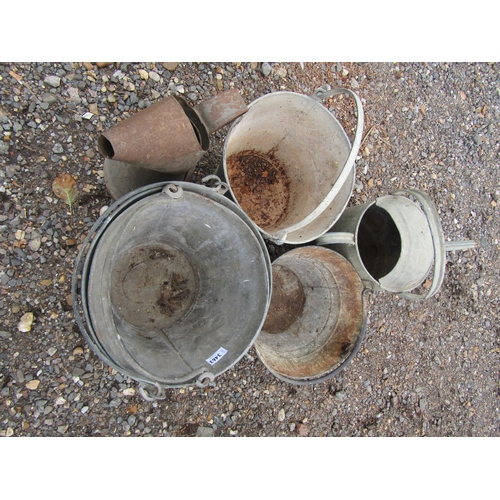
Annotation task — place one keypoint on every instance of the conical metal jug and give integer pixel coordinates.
(167, 138)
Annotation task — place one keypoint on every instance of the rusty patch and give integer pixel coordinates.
(314, 361)
(152, 286)
(160, 137)
(173, 294)
(261, 186)
(216, 112)
(287, 300)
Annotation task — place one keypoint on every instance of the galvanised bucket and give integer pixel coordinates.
(172, 285)
(317, 318)
(289, 164)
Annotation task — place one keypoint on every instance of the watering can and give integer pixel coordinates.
(392, 243)
(289, 164)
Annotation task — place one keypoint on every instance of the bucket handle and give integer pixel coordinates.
(147, 396)
(218, 186)
(319, 95)
(440, 246)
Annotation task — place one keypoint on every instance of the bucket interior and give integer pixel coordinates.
(177, 287)
(315, 317)
(282, 158)
(379, 242)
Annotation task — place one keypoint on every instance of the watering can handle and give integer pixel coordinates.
(318, 95)
(440, 246)
(438, 241)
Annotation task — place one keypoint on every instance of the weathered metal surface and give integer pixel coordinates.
(121, 178)
(152, 285)
(392, 246)
(287, 300)
(170, 136)
(220, 110)
(392, 243)
(175, 285)
(161, 137)
(299, 134)
(319, 338)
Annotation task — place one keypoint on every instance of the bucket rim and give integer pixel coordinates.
(80, 279)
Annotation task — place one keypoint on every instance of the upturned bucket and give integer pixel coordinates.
(289, 164)
(172, 285)
(121, 178)
(393, 242)
(316, 320)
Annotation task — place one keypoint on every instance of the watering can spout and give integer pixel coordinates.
(451, 246)
(218, 111)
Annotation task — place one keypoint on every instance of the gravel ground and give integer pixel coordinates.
(427, 368)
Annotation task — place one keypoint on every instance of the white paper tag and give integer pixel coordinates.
(216, 356)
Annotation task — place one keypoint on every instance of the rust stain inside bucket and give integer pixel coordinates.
(261, 186)
(152, 286)
(287, 300)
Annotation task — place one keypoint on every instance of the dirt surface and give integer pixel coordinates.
(426, 368)
(261, 187)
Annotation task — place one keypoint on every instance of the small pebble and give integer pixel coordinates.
(266, 69)
(26, 322)
(205, 432)
(170, 66)
(52, 80)
(35, 244)
(282, 72)
(153, 75)
(33, 385)
(302, 430)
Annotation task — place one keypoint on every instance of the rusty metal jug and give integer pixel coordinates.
(168, 138)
